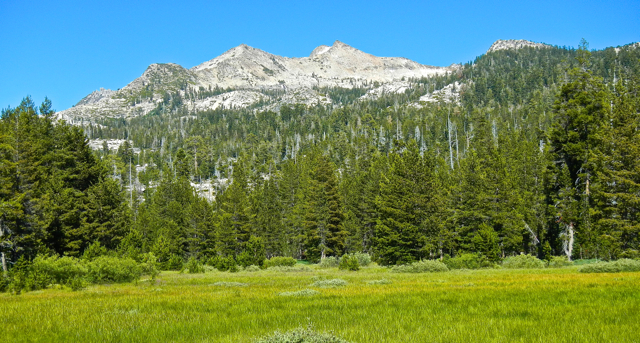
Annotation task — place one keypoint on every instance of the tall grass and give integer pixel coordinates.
(486, 305)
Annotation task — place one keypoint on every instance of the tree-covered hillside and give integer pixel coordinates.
(536, 152)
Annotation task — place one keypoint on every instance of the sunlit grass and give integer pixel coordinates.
(548, 305)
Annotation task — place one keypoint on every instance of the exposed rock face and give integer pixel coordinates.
(250, 72)
(514, 44)
(233, 99)
(395, 87)
(449, 93)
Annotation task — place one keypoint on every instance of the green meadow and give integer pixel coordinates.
(375, 305)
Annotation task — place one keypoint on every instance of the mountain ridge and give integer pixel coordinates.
(251, 72)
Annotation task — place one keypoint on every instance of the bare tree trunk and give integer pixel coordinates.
(449, 136)
(2, 257)
(4, 263)
(567, 245)
(457, 151)
(130, 184)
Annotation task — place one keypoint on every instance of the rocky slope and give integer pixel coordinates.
(245, 76)
(514, 44)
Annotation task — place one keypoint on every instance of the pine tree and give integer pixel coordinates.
(406, 206)
(576, 143)
(618, 194)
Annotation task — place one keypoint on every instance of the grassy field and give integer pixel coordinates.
(547, 305)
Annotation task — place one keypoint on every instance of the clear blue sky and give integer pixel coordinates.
(67, 49)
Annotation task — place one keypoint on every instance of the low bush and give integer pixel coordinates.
(559, 262)
(379, 282)
(424, 266)
(349, 262)
(209, 269)
(468, 261)
(252, 269)
(61, 270)
(73, 272)
(364, 259)
(223, 264)
(329, 262)
(301, 335)
(623, 265)
(522, 262)
(93, 251)
(105, 269)
(175, 262)
(4, 283)
(329, 283)
(149, 265)
(302, 293)
(280, 261)
(193, 266)
(630, 253)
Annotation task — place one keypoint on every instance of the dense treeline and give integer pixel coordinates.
(540, 157)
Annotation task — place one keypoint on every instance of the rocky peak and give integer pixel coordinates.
(96, 96)
(319, 50)
(238, 55)
(514, 44)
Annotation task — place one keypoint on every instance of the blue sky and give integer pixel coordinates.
(67, 49)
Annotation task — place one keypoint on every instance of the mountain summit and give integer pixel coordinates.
(515, 44)
(247, 73)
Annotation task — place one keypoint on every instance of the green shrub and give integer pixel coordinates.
(19, 276)
(522, 262)
(174, 263)
(73, 272)
(149, 265)
(379, 282)
(623, 265)
(209, 269)
(105, 269)
(424, 266)
(559, 262)
(252, 269)
(94, 250)
(349, 262)
(301, 335)
(60, 270)
(329, 283)
(223, 264)
(4, 283)
(193, 266)
(280, 261)
(302, 293)
(630, 253)
(76, 284)
(329, 262)
(468, 261)
(363, 258)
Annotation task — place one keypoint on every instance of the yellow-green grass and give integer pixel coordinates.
(552, 305)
